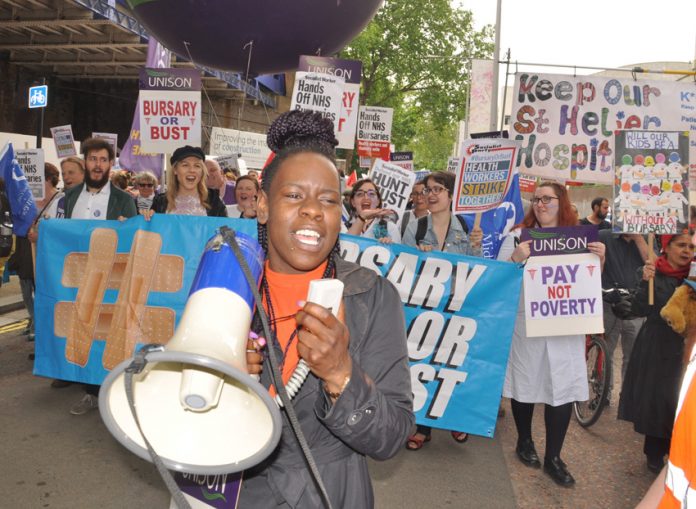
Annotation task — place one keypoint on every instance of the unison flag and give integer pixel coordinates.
(18, 193)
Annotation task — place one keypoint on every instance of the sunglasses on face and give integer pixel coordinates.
(146, 185)
(543, 199)
(370, 194)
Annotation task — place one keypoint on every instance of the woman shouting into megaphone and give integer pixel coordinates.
(357, 398)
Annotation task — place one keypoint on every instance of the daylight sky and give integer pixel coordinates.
(598, 33)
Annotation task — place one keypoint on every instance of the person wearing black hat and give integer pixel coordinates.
(187, 193)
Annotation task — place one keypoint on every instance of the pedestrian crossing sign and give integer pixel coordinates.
(38, 96)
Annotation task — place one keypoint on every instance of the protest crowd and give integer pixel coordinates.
(458, 289)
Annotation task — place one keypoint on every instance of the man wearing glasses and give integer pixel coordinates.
(97, 198)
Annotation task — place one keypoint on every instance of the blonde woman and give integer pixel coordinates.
(187, 193)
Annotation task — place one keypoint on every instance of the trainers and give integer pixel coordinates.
(87, 403)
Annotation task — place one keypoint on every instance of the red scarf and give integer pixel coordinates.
(663, 267)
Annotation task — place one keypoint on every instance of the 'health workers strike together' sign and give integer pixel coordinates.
(562, 282)
(484, 176)
(651, 185)
(170, 109)
(566, 123)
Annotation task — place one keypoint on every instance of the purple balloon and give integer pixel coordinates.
(218, 31)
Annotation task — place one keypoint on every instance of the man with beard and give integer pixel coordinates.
(97, 198)
(600, 209)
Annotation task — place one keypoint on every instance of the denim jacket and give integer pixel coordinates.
(457, 241)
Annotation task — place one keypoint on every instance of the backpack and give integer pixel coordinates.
(422, 227)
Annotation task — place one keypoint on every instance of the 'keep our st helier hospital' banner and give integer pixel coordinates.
(460, 312)
(566, 124)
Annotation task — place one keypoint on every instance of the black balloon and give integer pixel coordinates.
(218, 32)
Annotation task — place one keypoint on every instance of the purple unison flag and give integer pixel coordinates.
(132, 157)
(18, 193)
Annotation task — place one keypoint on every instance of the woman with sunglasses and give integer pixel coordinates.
(357, 400)
(446, 233)
(146, 185)
(549, 370)
(369, 219)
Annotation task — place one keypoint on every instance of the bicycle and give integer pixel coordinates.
(598, 379)
(598, 369)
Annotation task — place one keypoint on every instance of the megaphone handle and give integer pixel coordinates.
(169, 481)
(297, 378)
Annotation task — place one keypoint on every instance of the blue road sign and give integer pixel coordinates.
(38, 96)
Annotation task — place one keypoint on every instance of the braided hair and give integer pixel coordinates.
(296, 132)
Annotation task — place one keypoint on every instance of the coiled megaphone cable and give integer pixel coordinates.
(229, 236)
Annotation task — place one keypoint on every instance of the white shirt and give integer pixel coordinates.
(92, 205)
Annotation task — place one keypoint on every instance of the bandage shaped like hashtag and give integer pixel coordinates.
(129, 321)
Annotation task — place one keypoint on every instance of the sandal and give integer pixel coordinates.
(415, 442)
(459, 436)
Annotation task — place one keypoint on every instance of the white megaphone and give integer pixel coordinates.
(195, 402)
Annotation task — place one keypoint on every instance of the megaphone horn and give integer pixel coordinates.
(196, 404)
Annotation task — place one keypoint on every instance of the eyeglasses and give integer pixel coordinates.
(370, 194)
(146, 185)
(436, 190)
(543, 199)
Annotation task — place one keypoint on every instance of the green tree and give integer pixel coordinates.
(415, 56)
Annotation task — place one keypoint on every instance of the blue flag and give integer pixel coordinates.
(498, 222)
(18, 193)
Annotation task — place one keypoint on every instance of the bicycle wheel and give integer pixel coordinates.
(598, 379)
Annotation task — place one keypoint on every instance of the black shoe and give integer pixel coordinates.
(527, 453)
(558, 471)
(655, 465)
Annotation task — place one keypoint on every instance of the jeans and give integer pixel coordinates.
(626, 329)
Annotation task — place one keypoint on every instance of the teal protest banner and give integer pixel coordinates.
(460, 312)
(82, 268)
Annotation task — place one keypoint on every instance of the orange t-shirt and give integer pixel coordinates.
(285, 291)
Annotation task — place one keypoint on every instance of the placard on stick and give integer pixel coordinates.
(32, 163)
(318, 92)
(484, 175)
(394, 183)
(64, 141)
(651, 184)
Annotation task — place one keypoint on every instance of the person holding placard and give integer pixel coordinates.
(650, 388)
(443, 230)
(369, 218)
(549, 370)
(440, 231)
(187, 193)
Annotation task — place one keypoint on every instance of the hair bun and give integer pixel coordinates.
(297, 127)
